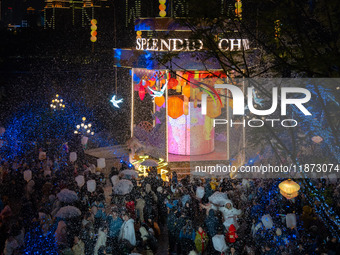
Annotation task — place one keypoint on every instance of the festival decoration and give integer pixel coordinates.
(57, 103)
(186, 90)
(175, 107)
(162, 8)
(73, 156)
(160, 93)
(141, 92)
(159, 101)
(101, 163)
(238, 9)
(267, 221)
(91, 185)
(289, 189)
(93, 30)
(27, 175)
(80, 180)
(84, 128)
(172, 83)
(115, 102)
(291, 220)
(84, 140)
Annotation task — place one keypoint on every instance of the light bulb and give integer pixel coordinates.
(90, 125)
(78, 126)
(51, 105)
(61, 100)
(53, 101)
(76, 132)
(63, 106)
(85, 126)
(92, 133)
(83, 118)
(57, 95)
(88, 131)
(82, 124)
(60, 104)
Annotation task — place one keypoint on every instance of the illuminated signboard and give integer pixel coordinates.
(175, 44)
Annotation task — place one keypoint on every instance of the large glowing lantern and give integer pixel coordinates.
(172, 83)
(175, 107)
(186, 90)
(159, 101)
(289, 189)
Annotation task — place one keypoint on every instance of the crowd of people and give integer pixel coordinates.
(52, 213)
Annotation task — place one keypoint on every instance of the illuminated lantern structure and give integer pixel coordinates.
(289, 189)
(175, 107)
(167, 95)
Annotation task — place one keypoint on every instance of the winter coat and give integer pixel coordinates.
(231, 235)
(140, 203)
(229, 214)
(201, 241)
(171, 223)
(127, 232)
(114, 226)
(101, 241)
(212, 223)
(79, 248)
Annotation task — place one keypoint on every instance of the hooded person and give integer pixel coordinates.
(127, 230)
(231, 235)
(212, 223)
(101, 240)
(229, 214)
(201, 240)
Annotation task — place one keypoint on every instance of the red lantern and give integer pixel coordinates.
(175, 107)
(141, 92)
(172, 83)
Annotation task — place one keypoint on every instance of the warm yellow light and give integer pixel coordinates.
(88, 131)
(82, 124)
(63, 106)
(92, 133)
(83, 118)
(53, 101)
(76, 132)
(90, 125)
(57, 95)
(289, 189)
(51, 105)
(61, 100)
(85, 126)
(78, 126)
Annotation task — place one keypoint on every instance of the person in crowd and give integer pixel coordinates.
(127, 231)
(78, 247)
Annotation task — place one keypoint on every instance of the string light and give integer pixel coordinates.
(57, 103)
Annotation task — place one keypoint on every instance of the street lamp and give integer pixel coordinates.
(57, 103)
(84, 128)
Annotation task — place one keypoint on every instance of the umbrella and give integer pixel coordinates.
(123, 187)
(67, 196)
(68, 212)
(131, 173)
(149, 162)
(219, 198)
